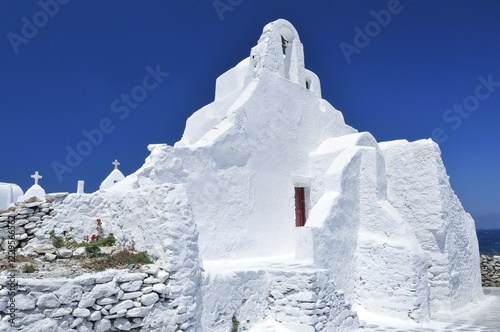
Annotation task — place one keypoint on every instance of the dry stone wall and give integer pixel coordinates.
(25, 218)
(490, 271)
(114, 300)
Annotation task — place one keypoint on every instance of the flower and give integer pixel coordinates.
(93, 237)
(98, 221)
(110, 234)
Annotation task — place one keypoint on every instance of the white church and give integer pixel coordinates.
(293, 208)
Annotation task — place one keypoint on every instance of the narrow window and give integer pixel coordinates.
(308, 85)
(300, 207)
(284, 44)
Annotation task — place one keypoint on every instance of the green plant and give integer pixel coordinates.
(118, 260)
(92, 249)
(28, 268)
(236, 324)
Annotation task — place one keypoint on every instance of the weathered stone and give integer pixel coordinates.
(151, 280)
(102, 326)
(130, 296)
(81, 312)
(87, 300)
(49, 257)
(21, 237)
(64, 253)
(122, 324)
(45, 249)
(126, 277)
(149, 269)
(33, 204)
(104, 290)
(96, 315)
(122, 306)
(69, 293)
(163, 275)
(21, 222)
(77, 322)
(80, 251)
(9, 242)
(107, 300)
(24, 302)
(60, 312)
(48, 301)
(138, 312)
(107, 250)
(30, 225)
(148, 299)
(131, 286)
(34, 219)
(101, 279)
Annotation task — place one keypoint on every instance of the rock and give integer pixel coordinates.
(69, 293)
(130, 296)
(64, 253)
(102, 326)
(104, 290)
(96, 315)
(45, 249)
(138, 312)
(149, 269)
(21, 222)
(131, 286)
(30, 225)
(60, 312)
(151, 280)
(161, 289)
(50, 257)
(48, 301)
(107, 250)
(87, 300)
(121, 306)
(81, 312)
(107, 300)
(122, 324)
(21, 237)
(24, 302)
(126, 277)
(9, 242)
(80, 251)
(77, 322)
(34, 219)
(148, 299)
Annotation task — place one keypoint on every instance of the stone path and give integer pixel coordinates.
(483, 316)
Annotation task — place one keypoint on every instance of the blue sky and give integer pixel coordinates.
(416, 70)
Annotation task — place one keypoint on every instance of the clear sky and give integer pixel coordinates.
(398, 69)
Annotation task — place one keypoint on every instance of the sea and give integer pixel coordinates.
(489, 241)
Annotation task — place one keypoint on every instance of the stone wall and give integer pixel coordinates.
(490, 271)
(301, 297)
(114, 300)
(26, 217)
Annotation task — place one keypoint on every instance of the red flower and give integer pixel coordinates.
(93, 237)
(98, 221)
(110, 234)
(97, 228)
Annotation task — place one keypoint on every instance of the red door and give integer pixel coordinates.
(300, 207)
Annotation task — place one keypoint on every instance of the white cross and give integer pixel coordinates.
(116, 163)
(36, 176)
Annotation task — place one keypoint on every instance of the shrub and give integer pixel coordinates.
(236, 324)
(28, 268)
(92, 249)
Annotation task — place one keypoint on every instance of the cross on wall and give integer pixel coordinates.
(116, 163)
